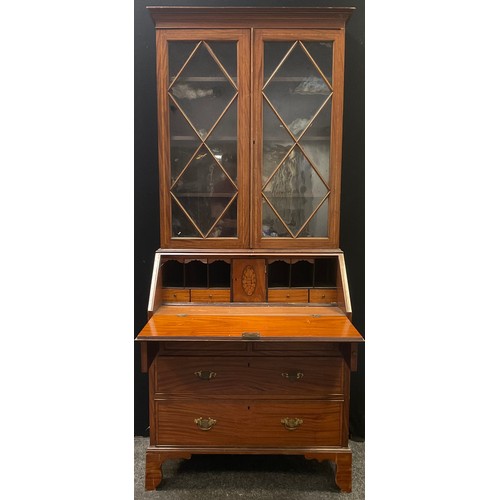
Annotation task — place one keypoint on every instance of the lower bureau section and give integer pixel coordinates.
(248, 423)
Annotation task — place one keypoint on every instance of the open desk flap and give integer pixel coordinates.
(249, 323)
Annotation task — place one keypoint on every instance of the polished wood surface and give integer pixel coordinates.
(175, 295)
(341, 457)
(248, 310)
(249, 280)
(247, 368)
(290, 295)
(251, 17)
(211, 295)
(232, 327)
(319, 295)
(248, 423)
(281, 377)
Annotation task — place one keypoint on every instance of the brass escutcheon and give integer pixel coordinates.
(205, 374)
(291, 423)
(205, 424)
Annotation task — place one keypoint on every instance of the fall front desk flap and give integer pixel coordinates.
(262, 322)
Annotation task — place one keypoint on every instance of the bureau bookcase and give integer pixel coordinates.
(249, 344)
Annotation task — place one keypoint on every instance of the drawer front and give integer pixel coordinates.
(206, 347)
(288, 295)
(298, 376)
(249, 423)
(240, 376)
(175, 295)
(210, 295)
(203, 375)
(317, 295)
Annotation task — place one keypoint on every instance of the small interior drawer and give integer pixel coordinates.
(288, 295)
(211, 295)
(175, 295)
(318, 295)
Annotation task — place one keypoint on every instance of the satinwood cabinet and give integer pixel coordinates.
(249, 344)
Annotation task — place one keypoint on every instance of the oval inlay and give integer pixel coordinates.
(249, 280)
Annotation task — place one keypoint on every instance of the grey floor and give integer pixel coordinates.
(207, 477)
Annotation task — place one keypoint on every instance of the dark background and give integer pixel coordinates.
(146, 193)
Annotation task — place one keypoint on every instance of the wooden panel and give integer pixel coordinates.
(330, 348)
(277, 376)
(249, 423)
(318, 295)
(248, 310)
(205, 347)
(175, 295)
(232, 327)
(211, 295)
(250, 17)
(249, 280)
(292, 295)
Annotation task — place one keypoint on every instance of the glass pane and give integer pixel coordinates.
(226, 225)
(274, 52)
(295, 190)
(223, 141)
(204, 190)
(183, 141)
(202, 91)
(297, 91)
(271, 225)
(322, 53)
(318, 225)
(181, 225)
(316, 141)
(226, 53)
(277, 142)
(178, 53)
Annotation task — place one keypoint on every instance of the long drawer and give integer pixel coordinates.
(283, 376)
(249, 423)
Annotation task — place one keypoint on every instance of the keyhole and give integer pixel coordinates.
(249, 407)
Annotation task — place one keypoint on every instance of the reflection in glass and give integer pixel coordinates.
(277, 142)
(318, 225)
(223, 141)
(297, 83)
(226, 54)
(203, 91)
(271, 225)
(297, 91)
(181, 225)
(226, 225)
(295, 190)
(274, 52)
(204, 190)
(183, 141)
(316, 142)
(322, 53)
(178, 53)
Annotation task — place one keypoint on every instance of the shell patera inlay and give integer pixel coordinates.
(249, 280)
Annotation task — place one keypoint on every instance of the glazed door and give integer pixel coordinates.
(203, 108)
(297, 138)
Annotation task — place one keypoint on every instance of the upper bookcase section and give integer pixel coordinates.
(250, 111)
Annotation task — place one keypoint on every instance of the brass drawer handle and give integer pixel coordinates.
(291, 423)
(205, 424)
(205, 374)
(292, 376)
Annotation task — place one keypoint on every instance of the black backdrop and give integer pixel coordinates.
(146, 193)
